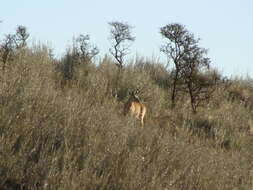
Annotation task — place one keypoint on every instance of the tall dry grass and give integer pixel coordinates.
(76, 137)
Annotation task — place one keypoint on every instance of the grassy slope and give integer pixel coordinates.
(77, 137)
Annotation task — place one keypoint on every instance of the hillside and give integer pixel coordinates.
(72, 134)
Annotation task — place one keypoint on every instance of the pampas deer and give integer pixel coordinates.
(135, 107)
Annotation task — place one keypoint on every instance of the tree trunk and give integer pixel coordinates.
(174, 88)
(193, 100)
(118, 79)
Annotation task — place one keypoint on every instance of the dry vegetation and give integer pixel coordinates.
(76, 137)
(61, 133)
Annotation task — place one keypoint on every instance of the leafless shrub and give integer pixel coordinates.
(11, 43)
(77, 58)
(6, 49)
(201, 87)
(83, 50)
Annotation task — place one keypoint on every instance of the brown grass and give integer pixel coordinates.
(76, 137)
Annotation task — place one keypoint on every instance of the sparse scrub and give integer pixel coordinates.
(156, 70)
(76, 63)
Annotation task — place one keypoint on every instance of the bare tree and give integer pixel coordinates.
(190, 63)
(174, 49)
(200, 84)
(83, 49)
(21, 36)
(121, 38)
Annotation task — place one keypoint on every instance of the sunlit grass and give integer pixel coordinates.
(76, 137)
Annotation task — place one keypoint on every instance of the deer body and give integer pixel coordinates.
(136, 108)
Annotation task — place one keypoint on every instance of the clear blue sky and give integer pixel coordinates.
(225, 26)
